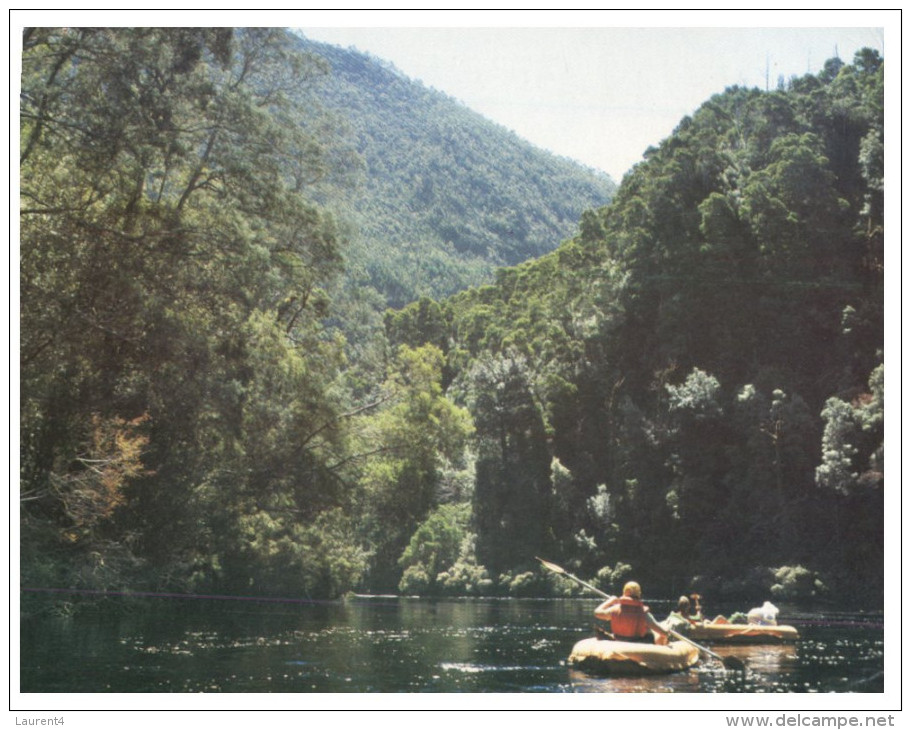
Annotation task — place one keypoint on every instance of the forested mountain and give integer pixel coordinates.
(693, 386)
(690, 388)
(444, 196)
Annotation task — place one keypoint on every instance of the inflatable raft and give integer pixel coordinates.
(602, 656)
(742, 633)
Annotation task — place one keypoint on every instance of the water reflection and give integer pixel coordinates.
(811, 666)
(763, 658)
(404, 645)
(763, 664)
(680, 682)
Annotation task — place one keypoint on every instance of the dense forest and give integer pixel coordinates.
(688, 388)
(446, 196)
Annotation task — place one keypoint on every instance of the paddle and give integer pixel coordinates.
(729, 662)
(554, 568)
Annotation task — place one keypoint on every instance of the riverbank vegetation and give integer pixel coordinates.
(688, 390)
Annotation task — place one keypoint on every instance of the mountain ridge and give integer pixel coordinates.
(445, 196)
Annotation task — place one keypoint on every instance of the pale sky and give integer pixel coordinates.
(597, 86)
(599, 95)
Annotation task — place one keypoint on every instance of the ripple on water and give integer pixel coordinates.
(462, 646)
(468, 668)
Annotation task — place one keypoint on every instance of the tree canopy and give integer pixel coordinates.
(703, 356)
(687, 383)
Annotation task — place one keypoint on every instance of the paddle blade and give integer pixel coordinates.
(733, 663)
(551, 566)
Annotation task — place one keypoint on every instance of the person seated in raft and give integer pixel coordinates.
(682, 619)
(629, 617)
(738, 618)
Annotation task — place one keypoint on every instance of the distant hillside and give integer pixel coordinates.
(446, 196)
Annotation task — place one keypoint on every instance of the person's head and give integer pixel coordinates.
(683, 606)
(632, 590)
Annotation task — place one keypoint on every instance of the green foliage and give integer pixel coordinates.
(419, 323)
(416, 438)
(661, 372)
(171, 270)
(415, 580)
(445, 196)
(513, 468)
(852, 440)
(611, 580)
(838, 454)
(693, 383)
(697, 396)
(522, 584)
(434, 547)
(335, 559)
(465, 576)
(794, 582)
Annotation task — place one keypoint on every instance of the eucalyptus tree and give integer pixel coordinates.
(167, 245)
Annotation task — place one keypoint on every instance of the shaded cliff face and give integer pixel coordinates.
(443, 196)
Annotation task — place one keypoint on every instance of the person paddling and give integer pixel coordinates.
(629, 619)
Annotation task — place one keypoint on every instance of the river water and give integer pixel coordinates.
(399, 645)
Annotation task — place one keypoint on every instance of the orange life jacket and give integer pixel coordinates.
(627, 618)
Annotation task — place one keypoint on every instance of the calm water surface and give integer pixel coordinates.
(404, 645)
